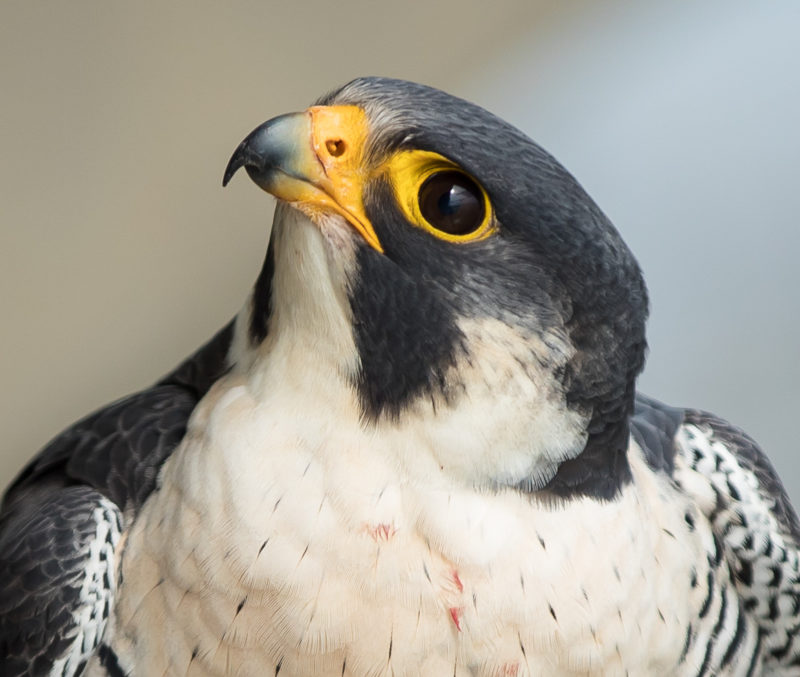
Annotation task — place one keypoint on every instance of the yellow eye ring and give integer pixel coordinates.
(440, 197)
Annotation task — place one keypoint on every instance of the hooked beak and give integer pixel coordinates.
(313, 160)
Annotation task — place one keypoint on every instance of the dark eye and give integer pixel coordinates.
(450, 201)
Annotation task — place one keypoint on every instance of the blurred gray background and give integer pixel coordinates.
(120, 252)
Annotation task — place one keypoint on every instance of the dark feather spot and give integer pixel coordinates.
(687, 643)
(774, 609)
(734, 494)
(777, 575)
(110, 661)
(709, 595)
(733, 647)
(744, 572)
(755, 660)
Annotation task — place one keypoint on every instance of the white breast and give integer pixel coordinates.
(286, 536)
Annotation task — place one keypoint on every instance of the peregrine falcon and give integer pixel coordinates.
(416, 450)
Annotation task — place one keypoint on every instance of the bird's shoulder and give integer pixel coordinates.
(733, 484)
(734, 452)
(62, 517)
(754, 523)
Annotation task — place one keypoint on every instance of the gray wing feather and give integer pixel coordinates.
(653, 426)
(117, 450)
(72, 494)
(56, 580)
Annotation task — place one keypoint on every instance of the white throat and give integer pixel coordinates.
(310, 327)
(507, 425)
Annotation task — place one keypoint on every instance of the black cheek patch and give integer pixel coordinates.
(406, 337)
(262, 298)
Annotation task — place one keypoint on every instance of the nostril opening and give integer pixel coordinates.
(336, 147)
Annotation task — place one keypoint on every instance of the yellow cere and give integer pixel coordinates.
(339, 136)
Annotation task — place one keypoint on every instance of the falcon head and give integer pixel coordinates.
(455, 280)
